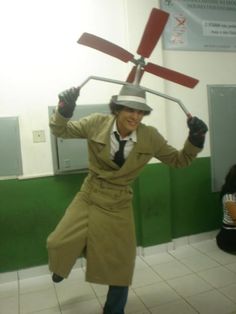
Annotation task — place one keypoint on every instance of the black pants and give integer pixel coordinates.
(226, 240)
(116, 300)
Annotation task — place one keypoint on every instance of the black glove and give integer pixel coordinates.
(67, 101)
(197, 131)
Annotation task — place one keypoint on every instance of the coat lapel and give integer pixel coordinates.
(103, 140)
(141, 147)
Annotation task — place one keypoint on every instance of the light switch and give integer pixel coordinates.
(39, 136)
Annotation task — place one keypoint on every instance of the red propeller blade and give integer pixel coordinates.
(171, 75)
(131, 76)
(153, 30)
(105, 46)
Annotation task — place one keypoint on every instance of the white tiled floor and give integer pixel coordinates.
(195, 278)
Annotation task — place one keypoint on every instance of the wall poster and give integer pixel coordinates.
(200, 25)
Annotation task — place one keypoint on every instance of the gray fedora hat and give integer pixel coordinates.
(132, 96)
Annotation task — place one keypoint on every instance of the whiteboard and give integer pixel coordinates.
(10, 156)
(222, 115)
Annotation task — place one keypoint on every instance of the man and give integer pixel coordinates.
(99, 221)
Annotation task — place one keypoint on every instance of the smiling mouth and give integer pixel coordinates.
(132, 123)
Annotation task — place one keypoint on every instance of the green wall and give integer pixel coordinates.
(176, 202)
(168, 203)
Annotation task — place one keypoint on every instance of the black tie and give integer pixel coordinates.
(119, 155)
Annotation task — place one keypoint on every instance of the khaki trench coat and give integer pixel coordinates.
(99, 221)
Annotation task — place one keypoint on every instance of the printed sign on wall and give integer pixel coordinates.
(204, 25)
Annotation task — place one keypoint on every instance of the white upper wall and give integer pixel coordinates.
(210, 69)
(40, 58)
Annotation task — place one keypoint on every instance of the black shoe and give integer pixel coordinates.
(56, 278)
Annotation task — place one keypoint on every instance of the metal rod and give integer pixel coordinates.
(178, 101)
(138, 74)
(104, 79)
(98, 78)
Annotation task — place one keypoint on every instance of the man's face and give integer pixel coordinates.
(128, 120)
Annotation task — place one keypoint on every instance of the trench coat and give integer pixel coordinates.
(99, 221)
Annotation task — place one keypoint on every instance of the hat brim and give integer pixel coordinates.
(131, 104)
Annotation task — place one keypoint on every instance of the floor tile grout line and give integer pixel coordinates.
(212, 258)
(213, 288)
(195, 273)
(96, 295)
(146, 308)
(180, 261)
(226, 295)
(183, 299)
(181, 276)
(203, 292)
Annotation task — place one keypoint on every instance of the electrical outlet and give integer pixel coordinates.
(39, 136)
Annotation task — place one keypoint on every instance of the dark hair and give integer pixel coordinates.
(114, 108)
(230, 182)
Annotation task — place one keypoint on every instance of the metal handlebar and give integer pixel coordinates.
(104, 79)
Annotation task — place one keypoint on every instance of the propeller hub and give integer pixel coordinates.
(139, 62)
